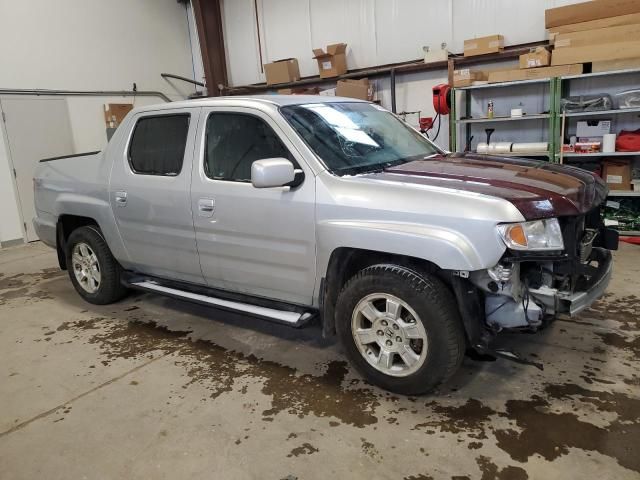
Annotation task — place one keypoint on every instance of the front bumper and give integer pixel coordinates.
(572, 303)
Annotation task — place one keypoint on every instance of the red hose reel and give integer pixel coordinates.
(442, 99)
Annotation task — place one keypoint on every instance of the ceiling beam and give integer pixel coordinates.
(208, 15)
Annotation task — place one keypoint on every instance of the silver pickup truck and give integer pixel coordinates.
(300, 208)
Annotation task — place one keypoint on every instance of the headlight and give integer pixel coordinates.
(536, 235)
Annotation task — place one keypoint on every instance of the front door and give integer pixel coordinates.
(149, 194)
(254, 241)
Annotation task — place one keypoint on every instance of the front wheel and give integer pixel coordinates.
(94, 272)
(400, 329)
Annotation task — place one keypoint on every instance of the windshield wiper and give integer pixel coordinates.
(380, 167)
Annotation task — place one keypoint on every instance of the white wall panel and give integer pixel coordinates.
(403, 27)
(377, 31)
(94, 45)
(349, 21)
(292, 41)
(73, 45)
(241, 41)
(520, 21)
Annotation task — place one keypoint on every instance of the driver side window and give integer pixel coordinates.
(234, 141)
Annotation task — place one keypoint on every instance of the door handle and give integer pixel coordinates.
(206, 207)
(121, 198)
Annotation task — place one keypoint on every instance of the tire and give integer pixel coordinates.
(426, 344)
(90, 245)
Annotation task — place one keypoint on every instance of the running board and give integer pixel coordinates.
(291, 318)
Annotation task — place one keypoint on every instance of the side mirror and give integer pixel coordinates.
(272, 172)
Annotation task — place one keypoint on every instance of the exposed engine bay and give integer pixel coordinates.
(524, 291)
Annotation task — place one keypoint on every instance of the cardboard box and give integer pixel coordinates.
(282, 71)
(333, 62)
(361, 89)
(483, 45)
(587, 147)
(539, 57)
(465, 77)
(608, 65)
(600, 23)
(114, 113)
(435, 55)
(299, 91)
(594, 53)
(617, 174)
(623, 33)
(533, 73)
(593, 128)
(328, 92)
(588, 11)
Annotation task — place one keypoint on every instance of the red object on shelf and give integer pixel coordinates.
(628, 141)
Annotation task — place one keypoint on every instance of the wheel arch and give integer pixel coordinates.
(345, 262)
(65, 225)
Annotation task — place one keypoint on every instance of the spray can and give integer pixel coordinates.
(490, 109)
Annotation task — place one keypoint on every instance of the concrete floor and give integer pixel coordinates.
(156, 388)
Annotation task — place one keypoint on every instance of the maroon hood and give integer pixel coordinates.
(538, 189)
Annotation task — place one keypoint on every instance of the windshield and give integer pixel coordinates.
(353, 138)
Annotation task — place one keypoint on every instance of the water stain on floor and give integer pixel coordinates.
(469, 418)
(536, 425)
(370, 449)
(24, 285)
(551, 434)
(304, 449)
(217, 369)
(630, 344)
(625, 310)
(490, 470)
(538, 429)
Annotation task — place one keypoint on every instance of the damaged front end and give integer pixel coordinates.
(527, 289)
(524, 293)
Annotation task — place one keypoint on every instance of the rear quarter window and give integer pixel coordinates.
(158, 144)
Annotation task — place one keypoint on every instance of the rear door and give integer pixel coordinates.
(254, 241)
(149, 194)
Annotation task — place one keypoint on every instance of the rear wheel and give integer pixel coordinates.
(400, 329)
(94, 272)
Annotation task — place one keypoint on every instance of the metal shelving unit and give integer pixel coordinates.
(504, 84)
(528, 154)
(601, 154)
(602, 74)
(623, 193)
(503, 119)
(545, 120)
(623, 118)
(547, 123)
(618, 111)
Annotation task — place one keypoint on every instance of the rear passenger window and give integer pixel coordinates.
(235, 141)
(158, 144)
